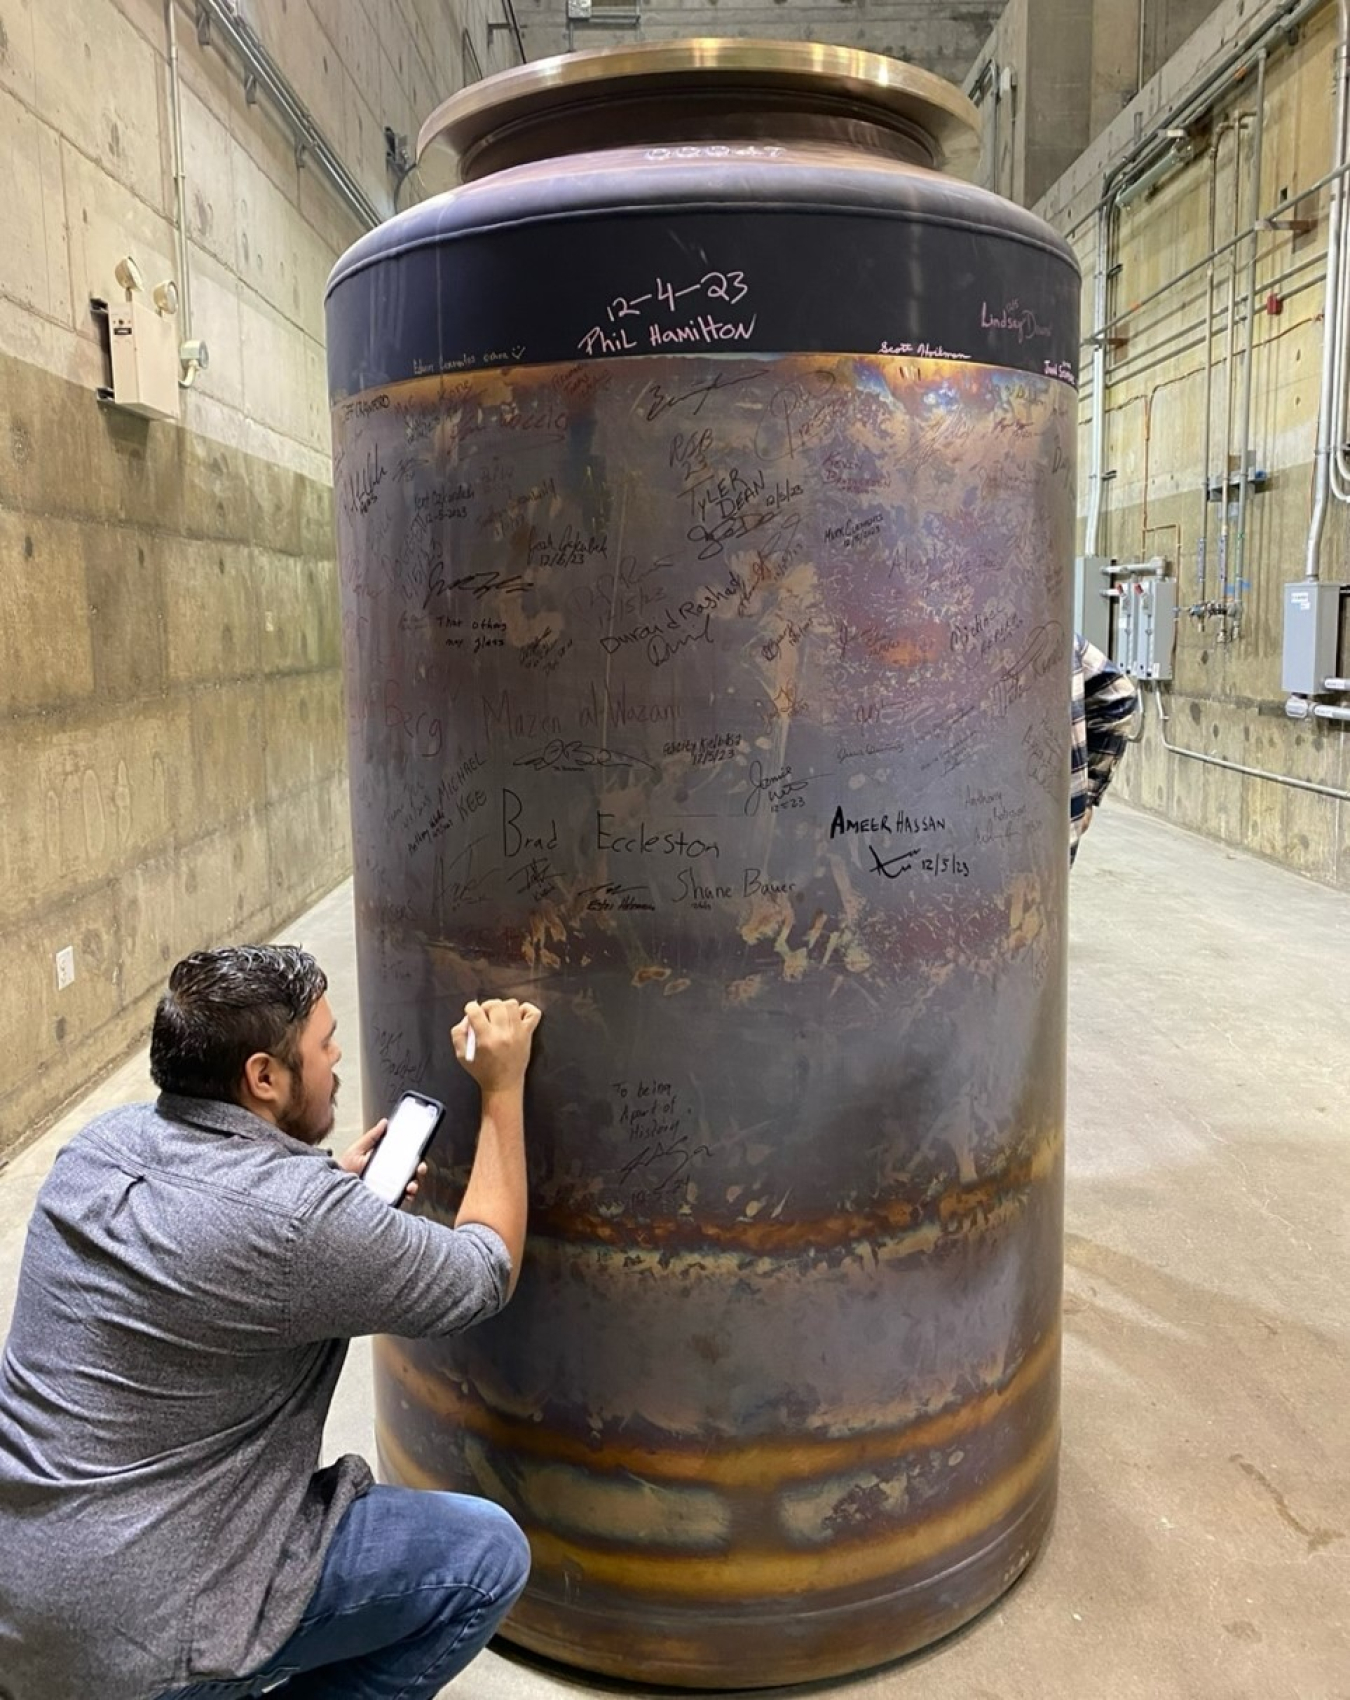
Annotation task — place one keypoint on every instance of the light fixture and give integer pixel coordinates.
(165, 297)
(196, 357)
(128, 274)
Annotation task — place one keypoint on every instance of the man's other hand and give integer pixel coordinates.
(357, 1155)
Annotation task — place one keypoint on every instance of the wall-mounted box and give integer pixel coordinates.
(143, 344)
(1312, 615)
(1092, 599)
(1146, 616)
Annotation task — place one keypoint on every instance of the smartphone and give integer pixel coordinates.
(393, 1162)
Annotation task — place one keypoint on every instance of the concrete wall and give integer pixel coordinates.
(937, 37)
(997, 81)
(172, 770)
(1073, 66)
(1226, 699)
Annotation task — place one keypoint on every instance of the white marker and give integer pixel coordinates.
(470, 1046)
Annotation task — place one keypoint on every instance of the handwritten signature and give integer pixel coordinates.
(570, 755)
(536, 879)
(659, 1152)
(360, 496)
(780, 787)
(463, 886)
(1044, 652)
(714, 538)
(894, 866)
(662, 403)
(477, 584)
(610, 888)
(1013, 317)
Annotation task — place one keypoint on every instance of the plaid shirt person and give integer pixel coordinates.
(1104, 702)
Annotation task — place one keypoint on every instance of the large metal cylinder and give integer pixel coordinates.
(704, 482)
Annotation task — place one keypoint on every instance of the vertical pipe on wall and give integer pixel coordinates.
(1332, 321)
(1092, 530)
(1340, 461)
(1139, 66)
(1244, 430)
(1207, 433)
(179, 175)
(1226, 458)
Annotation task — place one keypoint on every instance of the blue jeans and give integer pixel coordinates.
(413, 1587)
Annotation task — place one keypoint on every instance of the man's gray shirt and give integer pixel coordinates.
(190, 1281)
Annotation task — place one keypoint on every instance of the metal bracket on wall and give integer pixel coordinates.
(581, 15)
(1219, 489)
(99, 308)
(396, 161)
(1298, 226)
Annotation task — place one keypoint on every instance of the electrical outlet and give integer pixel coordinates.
(65, 967)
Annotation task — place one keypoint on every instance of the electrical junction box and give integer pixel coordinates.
(1146, 615)
(145, 362)
(1093, 596)
(1312, 617)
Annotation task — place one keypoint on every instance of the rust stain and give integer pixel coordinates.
(764, 1463)
(889, 1228)
(914, 648)
(766, 920)
(755, 1571)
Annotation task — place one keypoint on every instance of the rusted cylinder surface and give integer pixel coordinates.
(712, 690)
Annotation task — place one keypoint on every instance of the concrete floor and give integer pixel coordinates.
(1202, 1549)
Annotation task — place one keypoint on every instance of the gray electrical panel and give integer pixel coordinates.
(1146, 615)
(1312, 614)
(1092, 599)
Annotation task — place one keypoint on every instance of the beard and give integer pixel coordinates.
(305, 1115)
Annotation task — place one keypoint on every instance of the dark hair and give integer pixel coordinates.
(222, 1006)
